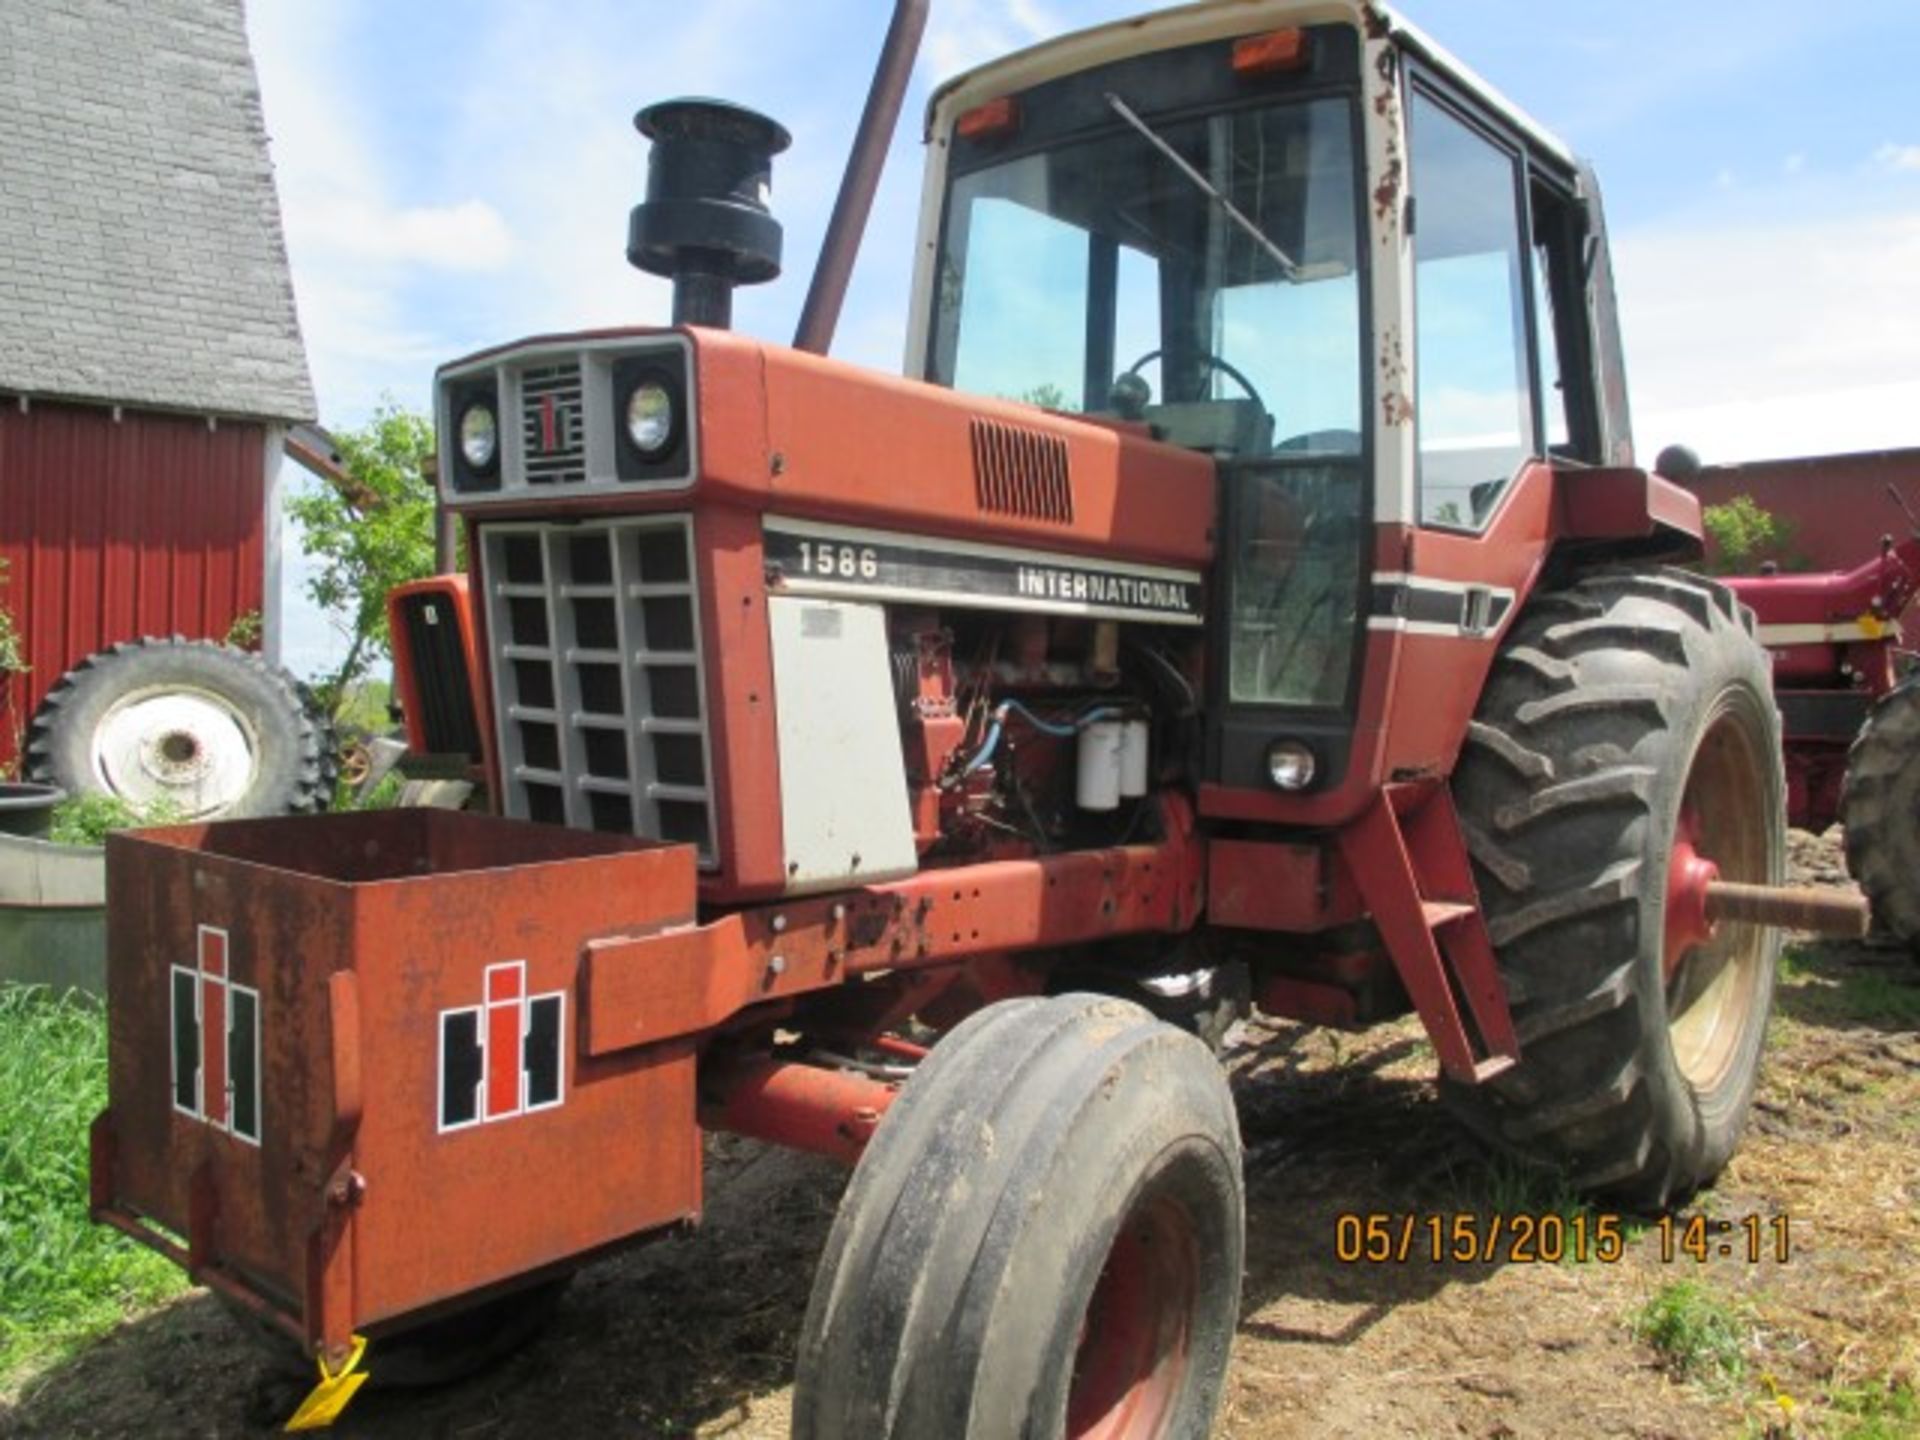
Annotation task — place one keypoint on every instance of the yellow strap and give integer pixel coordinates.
(320, 1409)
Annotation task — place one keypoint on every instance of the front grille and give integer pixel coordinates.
(439, 652)
(598, 687)
(553, 430)
(1021, 472)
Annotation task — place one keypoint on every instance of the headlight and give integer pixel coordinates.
(479, 436)
(649, 418)
(1290, 765)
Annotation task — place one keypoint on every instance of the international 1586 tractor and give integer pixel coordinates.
(1246, 598)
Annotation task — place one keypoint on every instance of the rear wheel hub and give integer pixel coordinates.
(189, 748)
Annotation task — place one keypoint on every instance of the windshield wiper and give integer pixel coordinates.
(1206, 186)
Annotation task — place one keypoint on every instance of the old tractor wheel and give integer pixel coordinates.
(201, 730)
(1880, 808)
(1044, 1238)
(1626, 750)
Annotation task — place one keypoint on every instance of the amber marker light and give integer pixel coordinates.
(990, 121)
(1274, 52)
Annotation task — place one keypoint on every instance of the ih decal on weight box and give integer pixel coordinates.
(808, 559)
(502, 1058)
(216, 1040)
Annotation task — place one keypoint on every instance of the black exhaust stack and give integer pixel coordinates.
(705, 224)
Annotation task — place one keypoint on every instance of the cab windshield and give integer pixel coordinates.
(1197, 274)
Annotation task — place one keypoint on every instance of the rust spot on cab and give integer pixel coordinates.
(1386, 195)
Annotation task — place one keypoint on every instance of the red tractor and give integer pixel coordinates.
(896, 769)
(1852, 724)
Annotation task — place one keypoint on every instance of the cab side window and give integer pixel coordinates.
(1560, 326)
(1473, 404)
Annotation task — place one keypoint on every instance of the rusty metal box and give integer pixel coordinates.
(345, 1057)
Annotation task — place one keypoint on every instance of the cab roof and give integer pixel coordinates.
(1216, 20)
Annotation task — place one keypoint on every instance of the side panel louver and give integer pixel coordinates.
(1021, 472)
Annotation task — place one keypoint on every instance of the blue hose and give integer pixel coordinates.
(1045, 727)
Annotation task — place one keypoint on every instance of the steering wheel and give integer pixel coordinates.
(1212, 362)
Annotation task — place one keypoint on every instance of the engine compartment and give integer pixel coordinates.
(1029, 735)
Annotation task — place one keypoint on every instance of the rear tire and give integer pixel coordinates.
(1043, 1239)
(1880, 808)
(1615, 707)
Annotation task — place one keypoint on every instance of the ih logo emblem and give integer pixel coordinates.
(557, 425)
(216, 1041)
(501, 1058)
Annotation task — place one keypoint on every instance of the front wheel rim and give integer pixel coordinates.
(1136, 1338)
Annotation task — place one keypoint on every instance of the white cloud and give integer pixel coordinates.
(353, 244)
(965, 33)
(1750, 340)
(465, 237)
(1898, 157)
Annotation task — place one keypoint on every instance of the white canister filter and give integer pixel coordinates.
(1134, 745)
(1101, 744)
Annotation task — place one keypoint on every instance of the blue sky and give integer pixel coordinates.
(457, 174)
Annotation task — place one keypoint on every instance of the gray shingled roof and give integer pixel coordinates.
(141, 258)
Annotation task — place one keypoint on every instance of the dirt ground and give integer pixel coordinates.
(695, 1337)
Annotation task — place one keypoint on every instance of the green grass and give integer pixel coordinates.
(1859, 998)
(88, 819)
(384, 795)
(1830, 994)
(1876, 1412)
(62, 1278)
(1699, 1335)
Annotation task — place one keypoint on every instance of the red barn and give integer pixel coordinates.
(1837, 505)
(150, 355)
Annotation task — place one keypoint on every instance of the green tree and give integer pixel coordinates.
(1048, 396)
(13, 663)
(1742, 535)
(13, 654)
(369, 536)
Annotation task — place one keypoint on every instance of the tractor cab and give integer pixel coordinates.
(1321, 253)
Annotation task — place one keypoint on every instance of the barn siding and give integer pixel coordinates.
(1838, 504)
(112, 529)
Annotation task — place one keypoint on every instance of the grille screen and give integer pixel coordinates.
(598, 693)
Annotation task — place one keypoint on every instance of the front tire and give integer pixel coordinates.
(1043, 1239)
(1880, 808)
(1629, 721)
